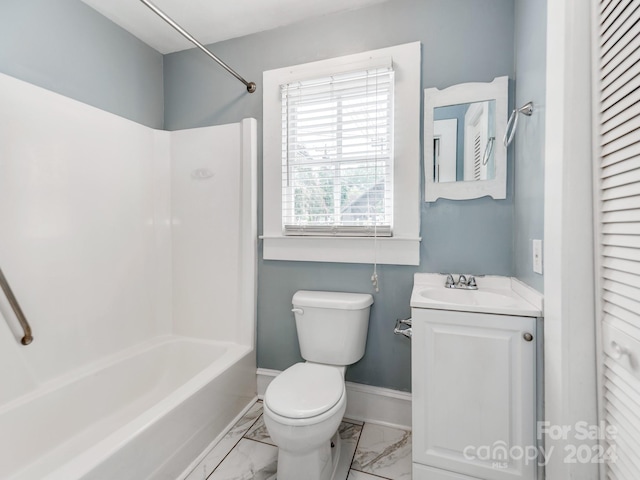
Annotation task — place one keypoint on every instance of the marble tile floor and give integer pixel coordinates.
(370, 452)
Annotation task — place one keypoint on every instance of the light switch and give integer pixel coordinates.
(537, 256)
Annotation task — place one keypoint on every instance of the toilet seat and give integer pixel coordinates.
(305, 390)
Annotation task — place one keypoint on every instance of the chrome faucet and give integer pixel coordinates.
(463, 282)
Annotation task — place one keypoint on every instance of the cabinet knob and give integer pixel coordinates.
(527, 336)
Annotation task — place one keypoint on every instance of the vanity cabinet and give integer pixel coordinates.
(474, 396)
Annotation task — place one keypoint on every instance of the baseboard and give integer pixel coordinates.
(264, 379)
(364, 402)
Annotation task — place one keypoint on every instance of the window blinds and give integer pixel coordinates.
(337, 154)
(618, 51)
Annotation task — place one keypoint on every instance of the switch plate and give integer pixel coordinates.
(537, 256)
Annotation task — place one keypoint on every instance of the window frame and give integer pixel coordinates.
(374, 85)
(403, 248)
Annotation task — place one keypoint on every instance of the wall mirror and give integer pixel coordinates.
(464, 154)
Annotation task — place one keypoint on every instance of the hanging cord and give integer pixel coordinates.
(374, 277)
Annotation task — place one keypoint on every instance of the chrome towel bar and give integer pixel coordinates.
(27, 338)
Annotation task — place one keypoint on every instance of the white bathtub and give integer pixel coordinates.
(143, 313)
(144, 413)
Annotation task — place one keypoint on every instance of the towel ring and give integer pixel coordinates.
(512, 124)
(488, 150)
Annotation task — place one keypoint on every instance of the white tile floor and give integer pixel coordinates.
(370, 452)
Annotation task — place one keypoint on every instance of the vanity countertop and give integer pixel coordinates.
(495, 294)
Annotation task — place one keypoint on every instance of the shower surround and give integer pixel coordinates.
(132, 252)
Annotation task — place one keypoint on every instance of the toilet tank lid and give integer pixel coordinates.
(338, 300)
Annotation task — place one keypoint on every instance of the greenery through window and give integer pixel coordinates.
(337, 154)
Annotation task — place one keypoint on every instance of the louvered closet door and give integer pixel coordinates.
(618, 44)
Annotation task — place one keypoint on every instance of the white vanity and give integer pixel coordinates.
(474, 379)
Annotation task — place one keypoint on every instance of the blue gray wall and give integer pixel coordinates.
(69, 48)
(462, 41)
(530, 31)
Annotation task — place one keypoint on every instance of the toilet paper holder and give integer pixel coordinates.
(407, 332)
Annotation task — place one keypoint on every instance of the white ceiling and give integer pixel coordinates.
(211, 21)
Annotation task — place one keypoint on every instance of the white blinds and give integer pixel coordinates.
(337, 154)
(618, 40)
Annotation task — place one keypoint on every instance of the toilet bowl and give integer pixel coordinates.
(304, 405)
(302, 413)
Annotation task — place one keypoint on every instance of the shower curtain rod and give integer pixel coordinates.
(251, 86)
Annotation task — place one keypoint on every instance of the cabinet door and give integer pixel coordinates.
(473, 381)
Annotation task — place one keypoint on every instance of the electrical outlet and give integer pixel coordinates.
(537, 256)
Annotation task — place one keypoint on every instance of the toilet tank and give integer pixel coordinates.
(332, 326)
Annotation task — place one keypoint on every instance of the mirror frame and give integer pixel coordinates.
(455, 95)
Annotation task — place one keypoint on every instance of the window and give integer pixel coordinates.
(341, 159)
(337, 154)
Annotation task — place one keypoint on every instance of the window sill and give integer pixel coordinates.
(388, 250)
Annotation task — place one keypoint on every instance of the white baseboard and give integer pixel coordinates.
(264, 379)
(364, 402)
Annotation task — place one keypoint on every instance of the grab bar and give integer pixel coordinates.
(28, 338)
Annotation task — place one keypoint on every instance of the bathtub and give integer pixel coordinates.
(143, 313)
(143, 413)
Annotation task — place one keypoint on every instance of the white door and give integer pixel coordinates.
(617, 75)
(473, 381)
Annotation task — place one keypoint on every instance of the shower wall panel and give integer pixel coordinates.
(213, 270)
(84, 232)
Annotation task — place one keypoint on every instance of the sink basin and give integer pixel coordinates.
(467, 297)
(500, 295)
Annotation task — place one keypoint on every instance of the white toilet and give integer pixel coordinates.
(304, 405)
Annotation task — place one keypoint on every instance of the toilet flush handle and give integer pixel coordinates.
(299, 311)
